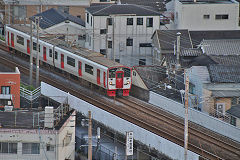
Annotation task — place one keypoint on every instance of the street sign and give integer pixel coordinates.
(129, 143)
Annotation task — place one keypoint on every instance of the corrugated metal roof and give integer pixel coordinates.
(224, 74)
(111, 9)
(221, 47)
(53, 16)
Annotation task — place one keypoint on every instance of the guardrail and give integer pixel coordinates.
(30, 95)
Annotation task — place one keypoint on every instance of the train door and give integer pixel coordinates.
(44, 54)
(119, 79)
(28, 46)
(79, 68)
(104, 79)
(98, 76)
(8, 39)
(62, 61)
(12, 39)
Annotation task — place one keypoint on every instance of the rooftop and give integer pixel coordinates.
(49, 2)
(122, 9)
(235, 111)
(53, 16)
(207, 1)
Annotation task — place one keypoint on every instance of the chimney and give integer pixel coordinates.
(48, 117)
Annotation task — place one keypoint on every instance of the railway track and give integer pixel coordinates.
(163, 124)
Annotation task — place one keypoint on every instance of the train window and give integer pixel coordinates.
(119, 75)
(112, 73)
(34, 46)
(127, 72)
(50, 52)
(71, 61)
(20, 40)
(88, 69)
(56, 55)
(134, 73)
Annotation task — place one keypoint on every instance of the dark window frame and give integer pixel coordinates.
(129, 42)
(109, 21)
(56, 55)
(50, 52)
(103, 31)
(89, 69)
(129, 21)
(71, 61)
(149, 22)
(5, 91)
(139, 21)
(142, 62)
(221, 16)
(109, 44)
(20, 40)
(206, 16)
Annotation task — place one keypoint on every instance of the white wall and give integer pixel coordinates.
(162, 145)
(190, 16)
(118, 34)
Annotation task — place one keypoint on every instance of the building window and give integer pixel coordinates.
(221, 16)
(206, 16)
(109, 44)
(87, 17)
(91, 20)
(34, 46)
(50, 52)
(7, 147)
(88, 69)
(129, 42)
(139, 21)
(20, 40)
(81, 37)
(142, 62)
(30, 148)
(109, 21)
(79, 16)
(64, 9)
(129, 21)
(233, 120)
(50, 147)
(149, 22)
(103, 31)
(19, 12)
(56, 55)
(117, 60)
(71, 61)
(103, 51)
(145, 45)
(5, 90)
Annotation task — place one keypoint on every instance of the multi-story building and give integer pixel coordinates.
(122, 32)
(17, 11)
(29, 135)
(205, 15)
(10, 89)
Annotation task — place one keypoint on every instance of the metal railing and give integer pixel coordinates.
(30, 95)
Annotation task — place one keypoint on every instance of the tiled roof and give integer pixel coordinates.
(190, 52)
(207, 1)
(202, 60)
(235, 111)
(111, 9)
(159, 5)
(224, 74)
(226, 60)
(221, 47)
(53, 16)
(225, 93)
(167, 38)
(198, 36)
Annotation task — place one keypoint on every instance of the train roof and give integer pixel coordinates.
(83, 52)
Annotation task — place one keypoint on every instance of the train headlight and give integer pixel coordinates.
(128, 82)
(110, 83)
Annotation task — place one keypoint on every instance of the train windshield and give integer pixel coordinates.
(127, 72)
(112, 73)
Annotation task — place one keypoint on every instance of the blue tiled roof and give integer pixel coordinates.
(53, 16)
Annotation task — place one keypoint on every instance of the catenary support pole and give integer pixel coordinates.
(186, 116)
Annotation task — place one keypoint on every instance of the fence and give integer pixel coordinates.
(30, 95)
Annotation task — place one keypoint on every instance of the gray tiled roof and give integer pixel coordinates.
(159, 5)
(167, 38)
(202, 60)
(111, 9)
(190, 52)
(225, 93)
(224, 74)
(226, 60)
(235, 111)
(221, 47)
(53, 16)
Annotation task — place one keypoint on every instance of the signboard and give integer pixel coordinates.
(129, 143)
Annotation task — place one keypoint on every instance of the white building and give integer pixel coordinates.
(122, 32)
(205, 15)
(32, 135)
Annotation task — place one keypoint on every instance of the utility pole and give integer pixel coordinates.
(9, 10)
(178, 50)
(31, 54)
(37, 19)
(89, 136)
(186, 116)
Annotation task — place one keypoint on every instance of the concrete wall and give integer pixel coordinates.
(190, 16)
(172, 150)
(195, 116)
(118, 33)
